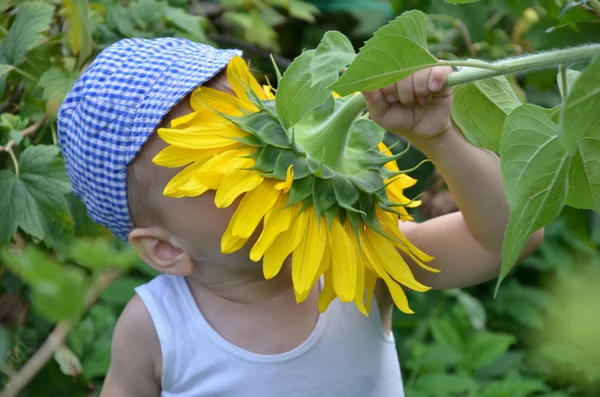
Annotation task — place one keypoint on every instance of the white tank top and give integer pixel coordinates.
(346, 355)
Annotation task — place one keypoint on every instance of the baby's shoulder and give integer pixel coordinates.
(135, 339)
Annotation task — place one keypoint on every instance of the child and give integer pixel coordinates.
(211, 325)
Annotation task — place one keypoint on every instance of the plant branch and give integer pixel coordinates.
(55, 339)
(471, 64)
(537, 61)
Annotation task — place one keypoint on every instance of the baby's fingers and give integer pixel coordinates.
(437, 78)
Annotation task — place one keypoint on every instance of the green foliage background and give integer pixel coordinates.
(536, 338)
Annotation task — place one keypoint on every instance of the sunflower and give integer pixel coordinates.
(337, 215)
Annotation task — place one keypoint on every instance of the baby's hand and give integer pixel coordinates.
(417, 107)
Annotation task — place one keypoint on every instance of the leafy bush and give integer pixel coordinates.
(66, 278)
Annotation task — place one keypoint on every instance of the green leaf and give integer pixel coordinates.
(395, 51)
(460, 1)
(480, 109)
(192, 24)
(303, 10)
(35, 201)
(345, 192)
(91, 340)
(79, 33)
(444, 385)
(301, 189)
(323, 195)
(473, 307)
(334, 52)
(56, 83)
(25, 33)
(579, 113)
(265, 127)
(13, 121)
(573, 12)
(4, 69)
(580, 135)
(122, 290)
(369, 182)
(445, 332)
(287, 157)
(296, 95)
(439, 357)
(118, 18)
(486, 347)
(535, 175)
(572, 77)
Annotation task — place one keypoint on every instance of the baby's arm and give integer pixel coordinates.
(136, 358)
(467, 244)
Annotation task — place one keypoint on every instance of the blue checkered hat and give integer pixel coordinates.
(114, 108)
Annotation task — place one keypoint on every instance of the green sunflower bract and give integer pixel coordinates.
(327, 190)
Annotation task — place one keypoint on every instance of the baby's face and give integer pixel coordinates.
(194, 222)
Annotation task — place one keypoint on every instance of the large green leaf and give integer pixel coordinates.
(122, 290)
(580, 134)
(535, 175)
(395, 51)
(334, 52)
(79, 34)
(480, 109)
(25, 33)
(296, 95)
(579, 115)
(35, 200)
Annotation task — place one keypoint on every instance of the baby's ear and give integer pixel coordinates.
(156, 249)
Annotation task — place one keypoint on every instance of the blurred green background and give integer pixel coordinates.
(538, 337)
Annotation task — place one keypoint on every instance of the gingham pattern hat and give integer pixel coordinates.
(116, 105)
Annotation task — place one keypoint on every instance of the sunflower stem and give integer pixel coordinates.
(542, 60)
(328, 144)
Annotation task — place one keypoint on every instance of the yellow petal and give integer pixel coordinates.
(390, 223)
(309, 253)
(230, 243)
(370, 283)
(328, 293)
(210, 179)
(234, 184)
(253, 207)
(174, 157)
(396, 195)
(283, 246)
(359, 295)
(343, 262)
(241, 80)
(189, 139)
(181, 178)
(323, 267)
(381, 251)
(276, 221)
(268, 90)
(183, 120)
(208, 98)
(398, 295)
(286, 185)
